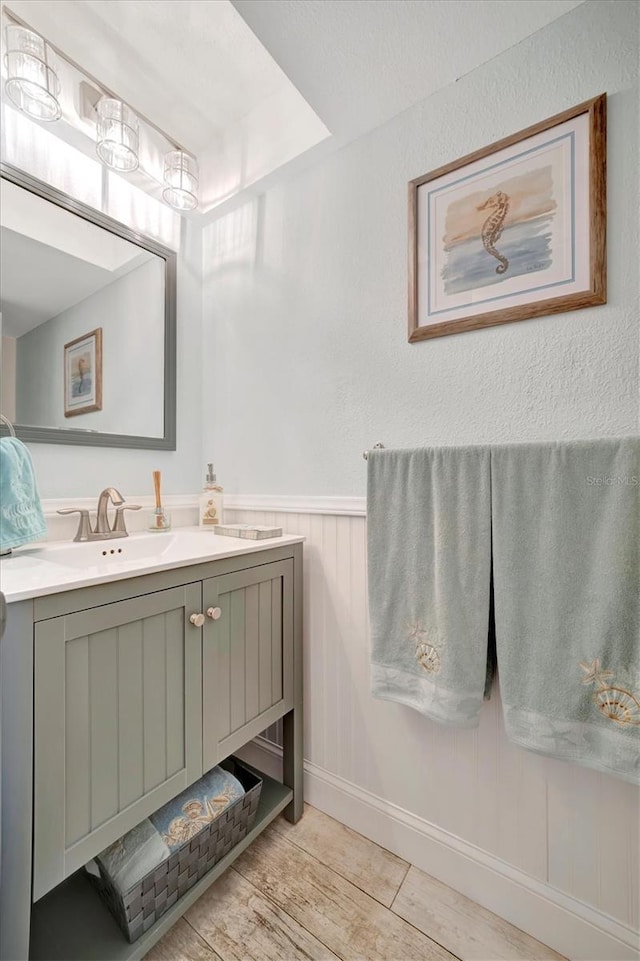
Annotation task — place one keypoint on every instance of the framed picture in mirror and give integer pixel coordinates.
(83, 374)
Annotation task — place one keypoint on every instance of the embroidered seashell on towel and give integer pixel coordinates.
(188, 813)
(152, 841)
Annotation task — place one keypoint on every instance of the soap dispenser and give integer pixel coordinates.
(210, 511)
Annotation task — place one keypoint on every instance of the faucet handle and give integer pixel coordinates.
(84, 531)
(118, 524)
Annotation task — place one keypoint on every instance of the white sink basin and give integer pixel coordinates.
(39, 569)
(137, 547)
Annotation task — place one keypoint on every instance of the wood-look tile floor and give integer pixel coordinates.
(317, 891)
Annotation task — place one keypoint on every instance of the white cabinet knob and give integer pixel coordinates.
(197, 620)
(215, 613)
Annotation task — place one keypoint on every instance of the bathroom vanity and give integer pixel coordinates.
(126, 675)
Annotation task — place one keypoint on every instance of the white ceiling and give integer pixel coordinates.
(250, 85)
(361, 62)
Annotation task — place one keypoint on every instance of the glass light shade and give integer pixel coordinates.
(180, 180)
(117, 144)
(32, 74)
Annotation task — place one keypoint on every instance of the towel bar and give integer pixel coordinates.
(378, 446)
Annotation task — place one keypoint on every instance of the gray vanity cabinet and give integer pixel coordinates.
(247, 655)
(117, 723)
(127, 691)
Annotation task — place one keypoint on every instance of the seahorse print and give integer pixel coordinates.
(493, 226)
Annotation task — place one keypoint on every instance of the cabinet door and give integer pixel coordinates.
(247, 667)
(118, 723)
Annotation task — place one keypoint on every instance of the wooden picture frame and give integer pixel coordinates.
(83, 374)
(512, 231)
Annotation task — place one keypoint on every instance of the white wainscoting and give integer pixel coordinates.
(551, 847)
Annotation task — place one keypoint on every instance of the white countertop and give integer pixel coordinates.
(52, 568)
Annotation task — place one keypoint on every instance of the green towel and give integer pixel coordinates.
(21, 517)
(429, 569)
(566, 543)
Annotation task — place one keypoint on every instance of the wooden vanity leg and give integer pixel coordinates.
(292, 740)
(292, 762)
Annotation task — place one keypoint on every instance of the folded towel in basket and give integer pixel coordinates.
(188, 813)
(152, 841)
(135, 854)
(566, 524)
(21, 517)
(429, 569)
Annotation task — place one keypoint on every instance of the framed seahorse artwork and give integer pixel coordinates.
(512, 231)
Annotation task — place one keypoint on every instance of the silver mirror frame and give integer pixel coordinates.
(53, 435)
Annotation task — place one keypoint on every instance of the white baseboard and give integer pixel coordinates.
(570, 927)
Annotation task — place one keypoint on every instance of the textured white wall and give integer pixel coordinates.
(305, 290)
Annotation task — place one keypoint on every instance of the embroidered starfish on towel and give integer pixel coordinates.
(594, 674)
(416, 632)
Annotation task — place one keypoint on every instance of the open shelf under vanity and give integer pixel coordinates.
(72, 923)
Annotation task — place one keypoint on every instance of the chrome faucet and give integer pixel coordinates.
(103, 531)
(102, 520)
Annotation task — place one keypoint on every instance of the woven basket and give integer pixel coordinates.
(141, 906)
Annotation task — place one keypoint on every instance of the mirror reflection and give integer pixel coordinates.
(82, 323)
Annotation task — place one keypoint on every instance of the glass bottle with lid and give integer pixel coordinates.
(211, 501)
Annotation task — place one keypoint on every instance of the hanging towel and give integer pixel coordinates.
(429, 570)
(566, 542)
(21, 517)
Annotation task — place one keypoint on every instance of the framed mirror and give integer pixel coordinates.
(88, 323)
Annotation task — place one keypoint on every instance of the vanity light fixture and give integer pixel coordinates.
(33, 85)
(32, 74)
(180, 180)
(117, 133)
